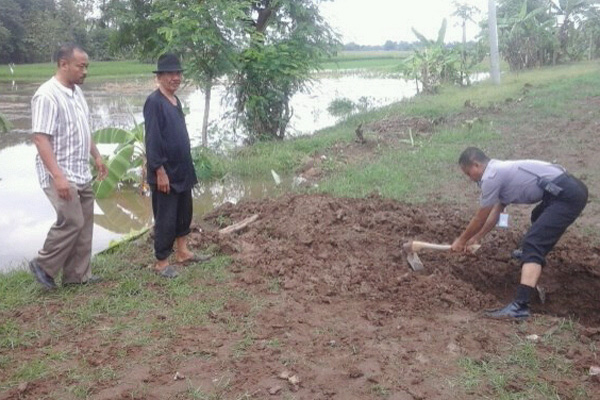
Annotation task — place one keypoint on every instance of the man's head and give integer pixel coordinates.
(473, 162)
(72, 62)
(169, 72)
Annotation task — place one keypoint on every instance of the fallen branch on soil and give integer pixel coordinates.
(239, 225)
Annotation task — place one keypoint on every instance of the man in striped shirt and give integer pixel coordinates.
(61, 133)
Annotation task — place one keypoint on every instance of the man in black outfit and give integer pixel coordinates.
(170, 169)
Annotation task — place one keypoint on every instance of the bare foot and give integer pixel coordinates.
(184, 256)
(161, 264)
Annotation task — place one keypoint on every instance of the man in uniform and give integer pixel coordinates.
(61, 133)
(561, 199)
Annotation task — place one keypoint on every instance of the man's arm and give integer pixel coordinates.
(154, 146)
(102, 171)
(44, 148)
(476, 224)
(490, 223)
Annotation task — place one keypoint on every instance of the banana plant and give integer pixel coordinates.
(127, 158)
(5, 124)
(432, 64)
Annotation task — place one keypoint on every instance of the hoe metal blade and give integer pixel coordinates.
(414, 261)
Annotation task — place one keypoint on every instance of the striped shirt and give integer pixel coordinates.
(62, 114)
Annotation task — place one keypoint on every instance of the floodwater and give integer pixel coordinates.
(26, 214)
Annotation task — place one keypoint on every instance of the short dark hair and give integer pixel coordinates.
(471, 155)
(66, 51)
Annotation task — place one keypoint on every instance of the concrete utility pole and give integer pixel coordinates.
(494, 55)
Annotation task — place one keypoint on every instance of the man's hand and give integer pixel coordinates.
(474, 241)
(459, 245)
(62, 186)
(101, 167)
(162, 181)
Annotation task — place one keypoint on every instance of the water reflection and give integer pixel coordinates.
(26, 214)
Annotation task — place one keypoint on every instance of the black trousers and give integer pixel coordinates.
(172, 219)
(551, 217)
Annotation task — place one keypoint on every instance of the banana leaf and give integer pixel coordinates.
(117, 167)
(113, 136)
(138, 132)
(5, 124)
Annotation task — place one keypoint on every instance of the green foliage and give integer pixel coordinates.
(5, 124)
(130, 153)
(341, 107)
(433, 64)
(533, 33)
(207, 164)
(288, 40)
(204, 33)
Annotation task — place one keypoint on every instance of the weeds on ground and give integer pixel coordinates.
(133, 309)
(526, 369)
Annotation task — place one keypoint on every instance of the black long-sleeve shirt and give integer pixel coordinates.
(168, 142)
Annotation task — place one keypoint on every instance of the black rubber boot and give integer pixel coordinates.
(514, 310)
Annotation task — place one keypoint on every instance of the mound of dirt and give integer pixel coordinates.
(317, 245)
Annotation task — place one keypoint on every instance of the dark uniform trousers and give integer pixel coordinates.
(551, 217)
(172, 219)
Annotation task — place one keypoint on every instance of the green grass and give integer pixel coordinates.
(526, 369)
(374, 61)
(434, 159)
(97, 71)
(380, 61)
(135, 308)
(516, 376)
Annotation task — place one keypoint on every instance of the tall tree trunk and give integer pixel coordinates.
(494, 54)
(207, 95)
(463, 72)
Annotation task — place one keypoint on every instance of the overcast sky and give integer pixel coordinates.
(373, 22)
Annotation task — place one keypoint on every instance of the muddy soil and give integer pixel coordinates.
(316, 245)
(342, 316)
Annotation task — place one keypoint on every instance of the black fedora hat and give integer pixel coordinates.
(168, 62)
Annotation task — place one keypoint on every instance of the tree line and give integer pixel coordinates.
(531, 33)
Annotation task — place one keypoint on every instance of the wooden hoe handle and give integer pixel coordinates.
(417, 245)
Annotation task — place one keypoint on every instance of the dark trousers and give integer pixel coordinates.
(172, 219)
(550, 218)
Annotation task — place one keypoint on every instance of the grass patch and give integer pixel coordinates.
(525, 370)
(132, 309)
(410, 174)
(541, 90)
(17, 288)
(97, 71)
(377, 61)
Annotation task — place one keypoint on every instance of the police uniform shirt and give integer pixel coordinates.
(515, 182)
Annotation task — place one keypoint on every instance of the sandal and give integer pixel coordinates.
(196, 258)
(168, 272)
